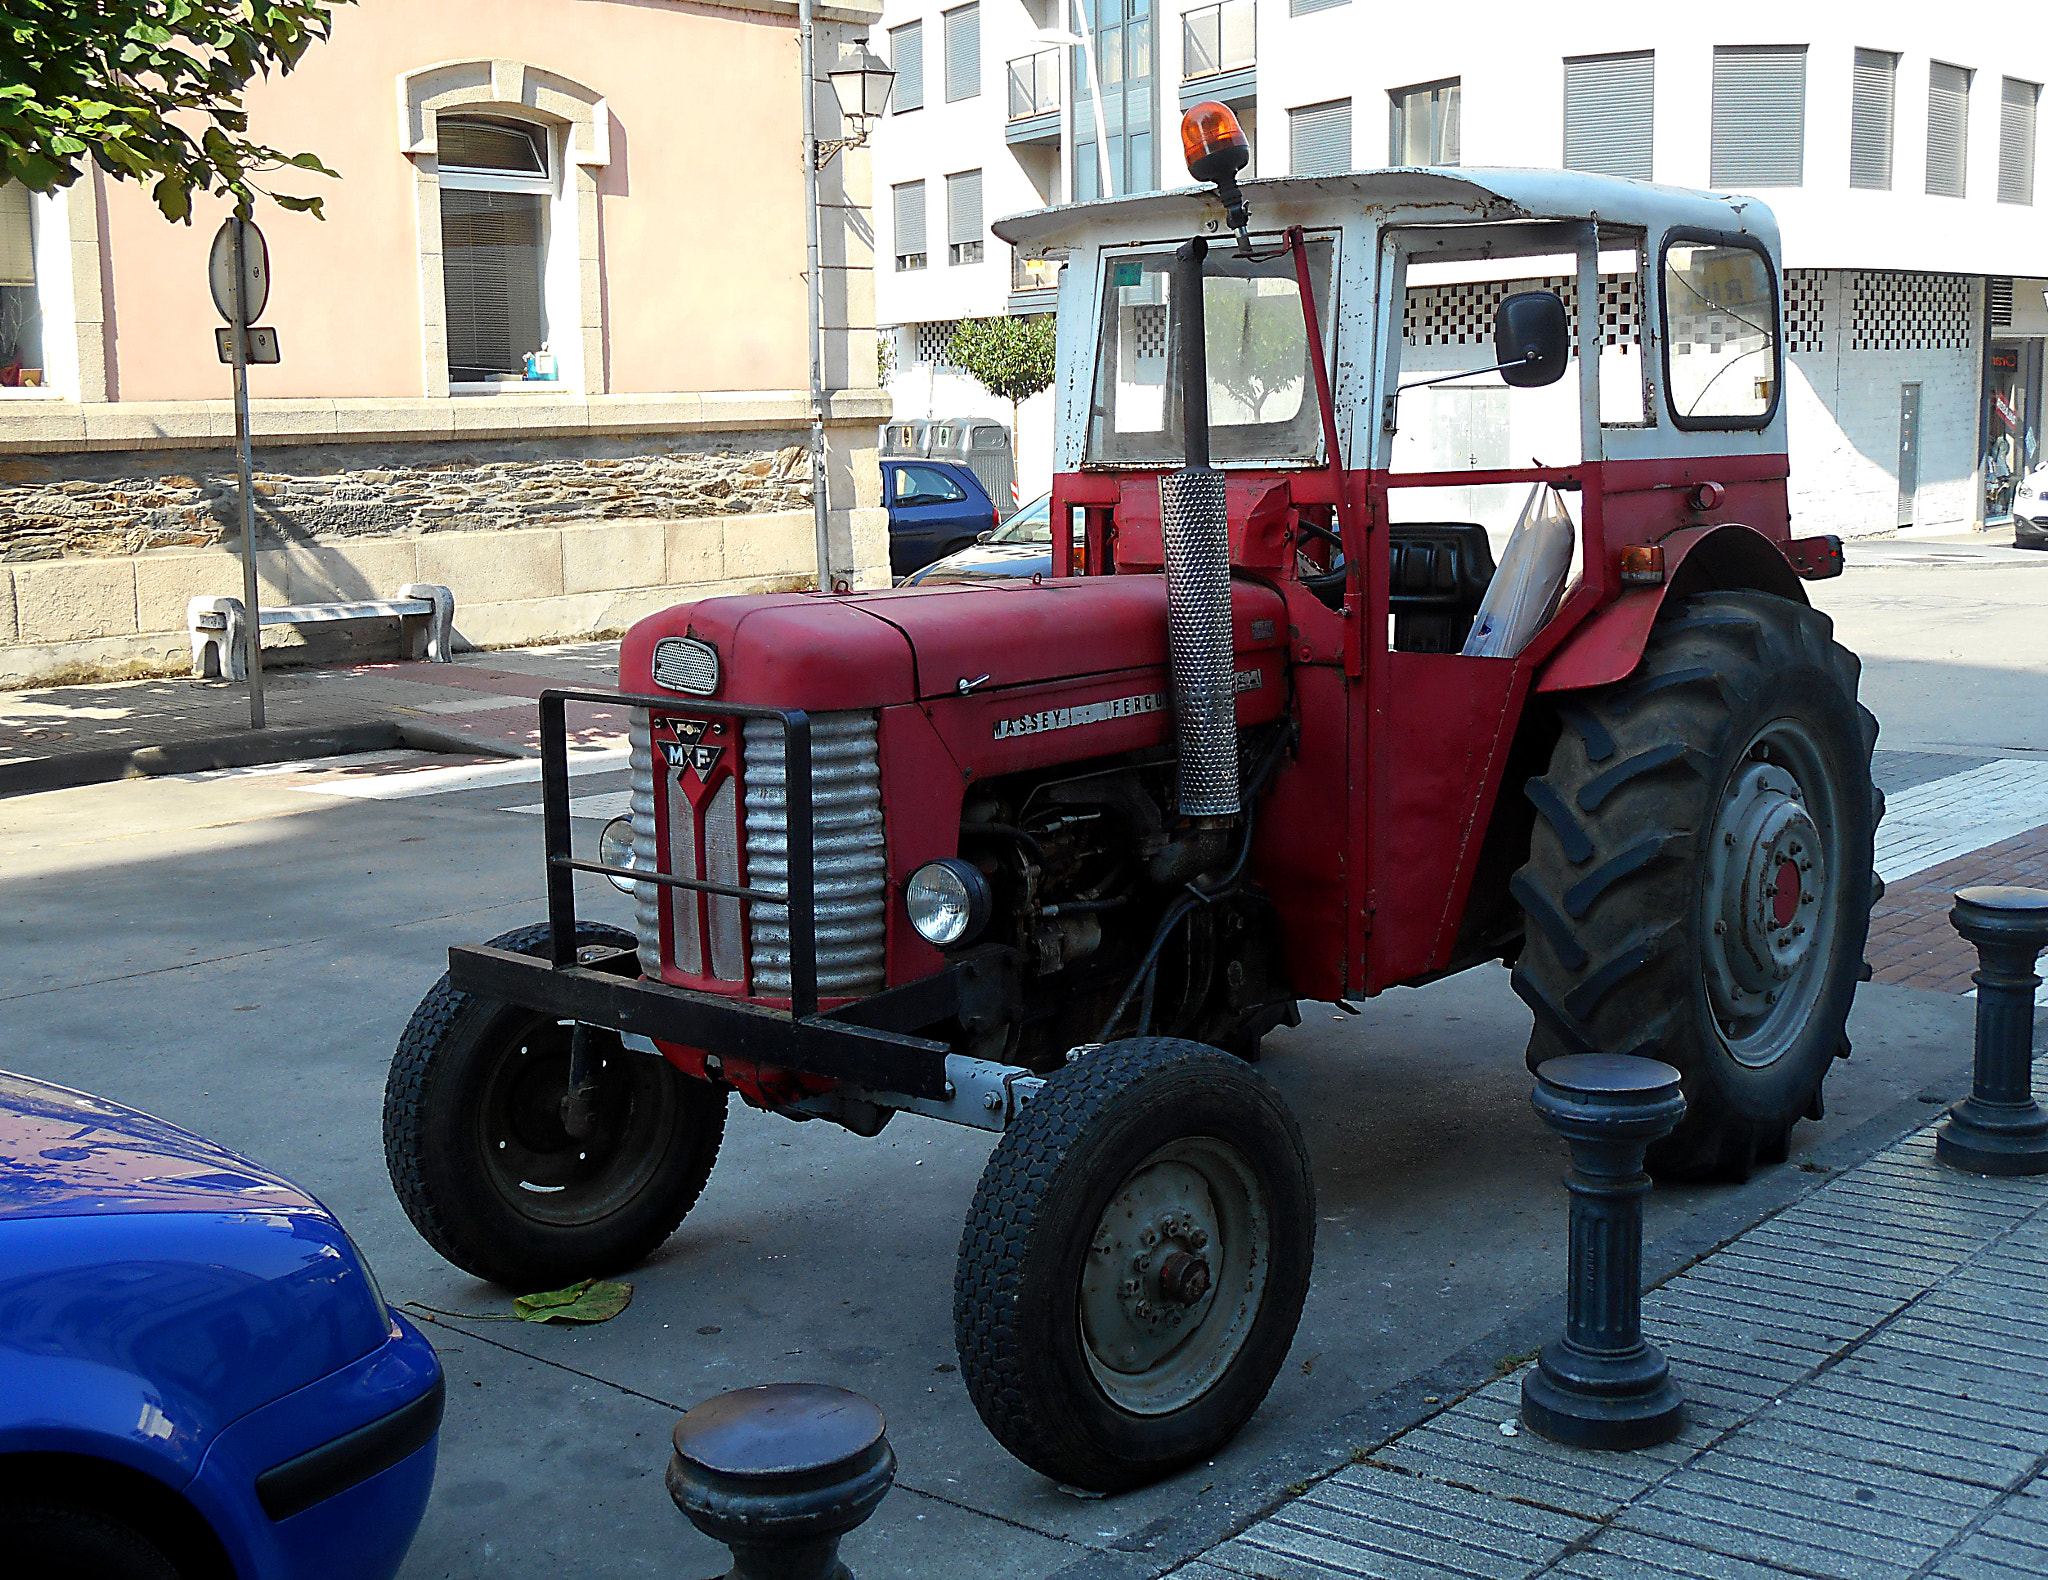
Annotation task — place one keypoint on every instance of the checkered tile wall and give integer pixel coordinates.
(1462, 315)
(1908, 312)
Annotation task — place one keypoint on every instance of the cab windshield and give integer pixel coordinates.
(1262, 404)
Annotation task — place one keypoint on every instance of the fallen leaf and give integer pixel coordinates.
(588, 1300)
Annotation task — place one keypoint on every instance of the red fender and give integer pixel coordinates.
(1698, 559)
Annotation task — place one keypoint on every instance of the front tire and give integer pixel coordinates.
(1699, 880)
(57, 1540)
(476, 1149)
(1134, 1264)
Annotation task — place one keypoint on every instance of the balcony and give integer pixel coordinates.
(1034, 98)
(1218, 51)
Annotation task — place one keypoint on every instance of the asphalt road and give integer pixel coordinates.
(238, 953)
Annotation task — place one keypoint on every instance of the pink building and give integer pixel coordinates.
(547, 346)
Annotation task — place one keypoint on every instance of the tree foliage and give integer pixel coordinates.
(1011, 358)
(151, 91)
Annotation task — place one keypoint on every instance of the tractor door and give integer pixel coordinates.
(1461, 461)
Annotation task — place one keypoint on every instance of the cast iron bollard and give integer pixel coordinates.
(1603, 1385)
(1999, 1128)
(780, 1473)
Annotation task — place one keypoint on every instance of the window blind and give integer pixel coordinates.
(906, 56)
(1303, 7)
(963, 207)
(1609, 111)
(963, 53)
(2018, 110)
(1319, 138)
(909, 227)
(17, 236)
(1759, 130)
(491, 273)
(1948, 129)
(1873, 104)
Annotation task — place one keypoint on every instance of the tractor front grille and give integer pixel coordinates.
(739, 834)
(849, 862)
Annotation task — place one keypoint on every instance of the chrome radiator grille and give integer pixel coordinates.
(850, 860)
(646, 896)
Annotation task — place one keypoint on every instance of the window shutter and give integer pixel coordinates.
(963, 207)
(490, 268)
(2019, 107)
(17, 236)
(1871, 115)
(1319, 139)
(1948, 128)
(909, 218)
(1303, 7)
(1609, 106)
(906, 56)
(1759, 135)
(963, 53)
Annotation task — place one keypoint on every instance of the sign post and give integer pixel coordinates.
(239, 272)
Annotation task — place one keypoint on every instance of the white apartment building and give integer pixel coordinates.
(1897, 145)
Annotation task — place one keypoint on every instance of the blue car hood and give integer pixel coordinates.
(64, 1154)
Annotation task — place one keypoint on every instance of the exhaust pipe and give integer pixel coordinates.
(1195, 530)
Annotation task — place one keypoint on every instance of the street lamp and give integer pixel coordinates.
(863, 93)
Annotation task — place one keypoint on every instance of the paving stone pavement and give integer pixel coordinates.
(1862, 1374)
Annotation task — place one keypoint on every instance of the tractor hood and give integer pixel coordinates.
(873, 650)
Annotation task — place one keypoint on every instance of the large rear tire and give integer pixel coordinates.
(1699, 881)
(481, 1162)
(1134, 1264)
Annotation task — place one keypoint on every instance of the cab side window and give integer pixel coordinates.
(1721, 337)
(922, 485)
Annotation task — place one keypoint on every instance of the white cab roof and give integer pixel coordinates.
(1405, 196)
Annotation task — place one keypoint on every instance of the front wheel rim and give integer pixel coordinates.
(543, 1173)
(1773, 874)
(1175, 1275)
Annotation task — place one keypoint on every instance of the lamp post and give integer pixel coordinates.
(863, 93)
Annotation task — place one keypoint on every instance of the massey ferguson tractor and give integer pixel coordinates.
(1296, 717)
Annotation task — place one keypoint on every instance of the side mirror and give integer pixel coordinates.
(1532, 339)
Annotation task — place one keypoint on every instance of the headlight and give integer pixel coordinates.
(948, 901)
(615, 849)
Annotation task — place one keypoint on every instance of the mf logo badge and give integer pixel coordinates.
(687, 749)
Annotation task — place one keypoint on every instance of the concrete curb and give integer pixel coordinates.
(245, 750)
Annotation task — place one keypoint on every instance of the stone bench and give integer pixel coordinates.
(219, 626)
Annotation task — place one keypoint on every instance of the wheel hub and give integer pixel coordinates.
(1766, 892)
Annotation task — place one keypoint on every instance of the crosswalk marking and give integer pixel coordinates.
(441, 781)
(1945, 818)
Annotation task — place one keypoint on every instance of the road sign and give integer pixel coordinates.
(262, 345)
(220, 271)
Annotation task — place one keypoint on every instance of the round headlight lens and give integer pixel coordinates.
(615, 849)
(948, 900)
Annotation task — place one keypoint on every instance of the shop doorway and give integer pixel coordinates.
(2012, 422)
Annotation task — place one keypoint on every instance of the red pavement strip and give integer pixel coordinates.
(516, 724)
(1911, 941)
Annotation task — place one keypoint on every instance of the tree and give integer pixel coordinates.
(1011, 358)
(1256, 342)
(150, 90)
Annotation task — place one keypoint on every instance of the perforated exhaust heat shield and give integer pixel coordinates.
(1196, 534)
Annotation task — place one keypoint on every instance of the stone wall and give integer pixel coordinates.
(98, 504)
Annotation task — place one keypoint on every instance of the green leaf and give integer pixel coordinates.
(590, 1300)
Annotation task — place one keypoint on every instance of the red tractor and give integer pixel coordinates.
(1051, 859)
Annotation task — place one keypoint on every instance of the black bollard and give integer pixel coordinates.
(1999, 1128)
(1603, 1385)
(780, 1473)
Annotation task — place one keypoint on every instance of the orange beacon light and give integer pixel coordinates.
(1216, 150)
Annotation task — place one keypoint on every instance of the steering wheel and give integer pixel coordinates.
(1333, 579)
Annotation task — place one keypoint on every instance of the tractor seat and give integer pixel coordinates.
(1438, 575)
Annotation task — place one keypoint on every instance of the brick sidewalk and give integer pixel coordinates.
(1862, 1377)
(485, 704)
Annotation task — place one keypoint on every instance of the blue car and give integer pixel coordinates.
(935, 508)
(1021, 546)
(199, 1379)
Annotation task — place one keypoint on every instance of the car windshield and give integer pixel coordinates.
(1032, 524)
(1262, 404)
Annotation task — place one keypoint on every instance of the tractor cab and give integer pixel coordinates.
(1439, 607)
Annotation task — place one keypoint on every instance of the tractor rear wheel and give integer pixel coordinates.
(1699, 880)
(486, 1170)
(1135, 1262)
